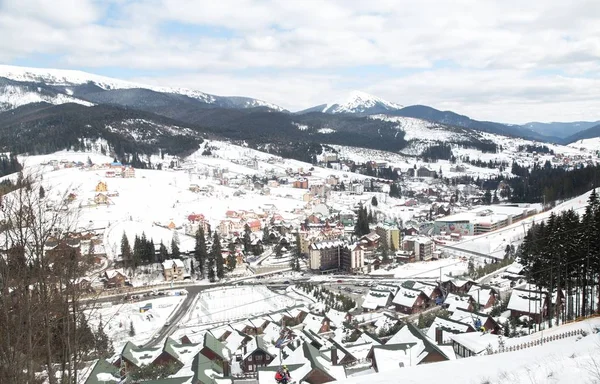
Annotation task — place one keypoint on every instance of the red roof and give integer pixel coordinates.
(196, 217)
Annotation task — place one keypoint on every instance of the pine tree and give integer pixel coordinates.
(42, 192)
(175, 254)
(247, 240)
(265, 238)
(137, 251)
(374, 201)
(126, 253)
(231, 261)
(200, 252)
(192, 271)
(91, 248)
(298, 245)
(131, 329)
(103, 344)
(163, 253)
(495, 199)
(217, 255)
(487, 197)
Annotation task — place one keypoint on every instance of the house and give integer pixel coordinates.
(425, 172)
(459, 286)
(173, 269)
(484, 296)
(115, 278)
(132, 356)
(209, 371)
(477, 320)
(101, 187)
(473, 343)
(408, 347)
(409, 301)
(380, 296)
(103, 372)
(216, 352)
(128, 172)
(442, 329)
(456, 301)
(101, 198)
(528, 303)
(59, 249)
(254, 225)
(316, 324)
(432, 290)
(300, 183)
(255, 354)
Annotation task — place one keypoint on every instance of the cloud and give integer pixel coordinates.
(500, 60)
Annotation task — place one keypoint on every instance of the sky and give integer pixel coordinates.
(510, 61)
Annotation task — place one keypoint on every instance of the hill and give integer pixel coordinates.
(589, 133)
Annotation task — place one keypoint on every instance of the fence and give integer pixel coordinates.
(541, 341)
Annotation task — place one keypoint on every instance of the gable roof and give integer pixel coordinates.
(103, 372)
(181, 352)
(407, 297)
(140, 356)
(409, 334)
(205, 370)
(212, 343)
(527, 301)
(448, 327)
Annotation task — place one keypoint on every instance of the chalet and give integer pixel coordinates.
(483, 296)
(215, 351)
(255, 354)
(105, 371)
(455, 301)
(432, 290)
(173, 269)
(128, 172)
(408, 347)
(473, 343)
(56, 249)
(115, 278)
(442, 329)
(254, 225)
(132, 356)
(476, 320)
(425, 172)
(457, 285)
(101, 199)
(380, 296)
(101, 187)
(409, 301)
(317, 324)
(533, 304)
(176, 354)
(208, 371)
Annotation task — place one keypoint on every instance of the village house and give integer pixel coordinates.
(115, 278)
(101, 199)
(255, 354)
(484, 296)
(476, 320)
(410, 301)
(173, 269)
(533, 304)
(442, 329)
(217, 352)
(425, 172)
(101, 187)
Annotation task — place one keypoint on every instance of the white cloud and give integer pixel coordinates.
(502, 57)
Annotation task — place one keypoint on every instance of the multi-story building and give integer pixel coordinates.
(336, 255)
(389, 235)
(421, 246)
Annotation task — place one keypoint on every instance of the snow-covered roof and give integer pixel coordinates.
(167, 264)
(406, 297)
(526, 301)
(313, 323)
(469, 318)
(480, 294)
(449, 327)
(377, 299)
(477, 342)
(454, 301)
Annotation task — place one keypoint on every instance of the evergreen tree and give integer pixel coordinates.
(200, 252)
(265, 238)
(374, 201)
(42, 192)
(192, 271)
(126, 253)
(495, 199)
(217, 255)
(175, 254)
(131, 329)
(487, 197)
(163, 253)
(103, 344)
(361, 227)
(91, 248)
(298, 245)
(247, 239)
(137, 251)
(231, 261)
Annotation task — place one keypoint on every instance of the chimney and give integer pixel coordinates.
(439, 336)
(334, 356)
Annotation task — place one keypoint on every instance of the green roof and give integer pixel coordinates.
(103, 366)
(429, 346)
(311, 353)
(201, 364)
(171, 380)
(212, 343)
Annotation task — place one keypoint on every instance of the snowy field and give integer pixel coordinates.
(117, 319)
(427, 269)
(567, 361)
(495, 243)
(234, 303)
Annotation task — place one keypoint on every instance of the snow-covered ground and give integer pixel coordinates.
(587, 144)
(117, 319)
(427, 269)
(566, 361)
(234, 303)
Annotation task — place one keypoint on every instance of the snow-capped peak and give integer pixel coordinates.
(67, 77)
(362, 103)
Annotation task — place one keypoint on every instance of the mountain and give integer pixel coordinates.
(452, 118)
(68, 82)
(561, 130)
(359, 103)
(14, 94)
(363, 104)
(44, 128)
(589, 133)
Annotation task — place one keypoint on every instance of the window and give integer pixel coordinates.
(268, 357)
(251, 368)
(259, 357)
(250, 358)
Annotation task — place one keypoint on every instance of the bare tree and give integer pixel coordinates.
(43, 330)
